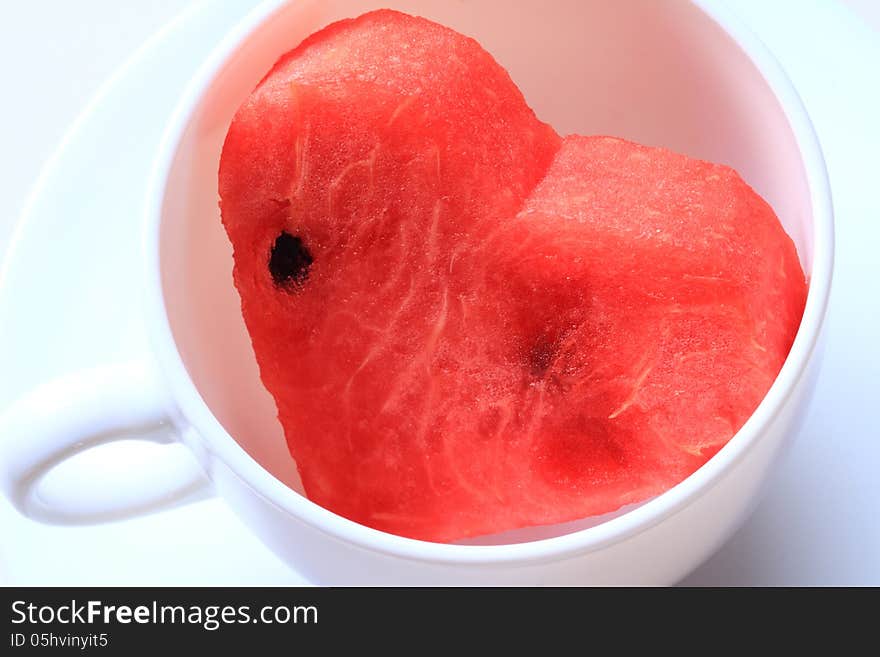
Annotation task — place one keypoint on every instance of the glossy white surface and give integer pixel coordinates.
(68, 416)
(865, 528)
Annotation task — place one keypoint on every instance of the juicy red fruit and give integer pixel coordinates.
(469, 324)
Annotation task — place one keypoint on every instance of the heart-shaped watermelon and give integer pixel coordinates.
(469, 324)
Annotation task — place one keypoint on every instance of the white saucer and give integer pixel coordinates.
(76, 253)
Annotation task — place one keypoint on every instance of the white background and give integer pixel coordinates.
(818, 523)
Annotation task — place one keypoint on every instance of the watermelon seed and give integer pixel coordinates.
(289, 261)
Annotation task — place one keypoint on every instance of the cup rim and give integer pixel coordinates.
(195, 412)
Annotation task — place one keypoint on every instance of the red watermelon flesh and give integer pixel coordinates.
(469, 325)
(677, 296)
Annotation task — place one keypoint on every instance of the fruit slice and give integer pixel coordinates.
(467, 329)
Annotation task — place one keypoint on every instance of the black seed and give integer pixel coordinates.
(289, 261)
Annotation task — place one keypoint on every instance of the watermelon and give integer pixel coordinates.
(470, 324)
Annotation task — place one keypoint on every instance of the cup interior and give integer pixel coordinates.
(661, 73)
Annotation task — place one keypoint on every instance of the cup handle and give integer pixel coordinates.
(83, 410)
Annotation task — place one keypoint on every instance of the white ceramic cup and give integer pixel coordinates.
(685, 75)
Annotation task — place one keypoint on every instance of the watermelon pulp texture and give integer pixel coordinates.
(470, 324)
